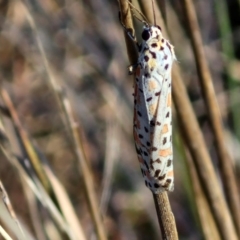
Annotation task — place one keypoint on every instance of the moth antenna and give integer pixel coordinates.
(154, 15)
(142, 21)
(139, 12)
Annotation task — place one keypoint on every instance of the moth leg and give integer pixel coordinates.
(132, 68)
(129, 32)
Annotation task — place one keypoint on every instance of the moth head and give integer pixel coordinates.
(151, 32)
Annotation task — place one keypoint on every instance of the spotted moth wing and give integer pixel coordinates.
(152, 115)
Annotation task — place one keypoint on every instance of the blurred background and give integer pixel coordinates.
(79, 45)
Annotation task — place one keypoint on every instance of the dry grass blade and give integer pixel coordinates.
(112, 154)
(208, 224)
(3, 10)
(34, 211)
(65, 205)
(51, 230)
(64, 67)
(4, 234)
(226, 166)
(25, 141)
(165, 216)
(201, 158)
(200, 154)
(83, 168)
(9, 206)
(162, 6)
(61, 196)
(112, 98)
(68, 114)
(126, 18)
(8, 221)
(39, 191)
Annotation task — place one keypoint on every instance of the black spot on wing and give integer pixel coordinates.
(147, 75)
(152, 123)
(146, 165)
(140, 136)
(145, 153)
(169, 162)
(146, 58)
(162, 177)
(157, 173)
(137, 150)
(153, 54)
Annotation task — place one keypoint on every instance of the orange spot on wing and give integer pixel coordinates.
(152, 63)
(152, 84)
(153, 108)
(165, 128)
(165, 152)
(169, 100)
(170, 174)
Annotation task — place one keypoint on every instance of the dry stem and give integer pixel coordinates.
(208, 224)
(165, 216)
(70, 121)
(198, 149)
(226, 166)
(201, 158)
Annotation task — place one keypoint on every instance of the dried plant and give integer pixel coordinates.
(68, 164)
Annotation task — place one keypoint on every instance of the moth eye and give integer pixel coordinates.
(145, 35)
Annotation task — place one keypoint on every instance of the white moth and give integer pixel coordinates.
(152, 109)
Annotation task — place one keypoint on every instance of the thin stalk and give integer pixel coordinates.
(197, 146)
(4, 234)
(9, 207)
(201, 158)
(207, 221)
(69, 120)
(226, 166)
(25, 141)
(84, 168)
(165, 216)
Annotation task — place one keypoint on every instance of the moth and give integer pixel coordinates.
(152, 125)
